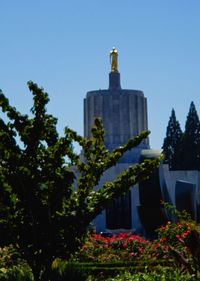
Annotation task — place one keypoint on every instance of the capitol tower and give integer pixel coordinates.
(123, 111)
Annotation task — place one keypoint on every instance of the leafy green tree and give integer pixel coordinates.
(41, 210)
(191, 141)
(172, 142)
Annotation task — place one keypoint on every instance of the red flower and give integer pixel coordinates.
(124, 245)
(163, 239)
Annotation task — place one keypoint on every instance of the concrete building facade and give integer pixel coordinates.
(124, 115)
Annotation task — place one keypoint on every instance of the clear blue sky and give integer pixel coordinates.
(64, 46)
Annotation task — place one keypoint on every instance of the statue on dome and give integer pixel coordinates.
(114, 60)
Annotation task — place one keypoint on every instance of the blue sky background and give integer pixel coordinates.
(64, 46)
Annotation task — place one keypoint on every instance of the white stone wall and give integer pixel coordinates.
(172, 176)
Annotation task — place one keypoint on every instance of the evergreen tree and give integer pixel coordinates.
(41, 210)
(191, 141)
(171, 144)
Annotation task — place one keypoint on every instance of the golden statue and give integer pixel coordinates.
(114, 60)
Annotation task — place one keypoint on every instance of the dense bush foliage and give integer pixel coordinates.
(107, 258)
(162, 274)
(129, 247)
(12, 266)
(41, 210)
(120, 272)
(122, 247)
(177, 244)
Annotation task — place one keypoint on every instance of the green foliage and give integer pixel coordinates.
(41, 211)
(12, 267)
(182, 150)
(120, 272)
(182, 239)
(171, 146)
(82, 271)
(164, 274)
(190, 154)
(177, 247)
(102, 271)
(124, 247)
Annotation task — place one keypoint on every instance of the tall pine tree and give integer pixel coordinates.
(171, 144)
(191, 141)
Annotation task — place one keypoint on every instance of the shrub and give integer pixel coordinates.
(12, 267)
(164, 274)
(122, 247)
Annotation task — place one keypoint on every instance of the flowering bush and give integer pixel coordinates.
(174, 232)
(177, 244)
(122, 247)
(182, 241)
(128, 247)
(172, 237)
